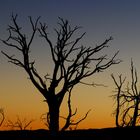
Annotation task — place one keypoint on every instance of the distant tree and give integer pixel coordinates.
(116, 97)
(128, 100)
(19, 124)
(72, 63)
(2, 116)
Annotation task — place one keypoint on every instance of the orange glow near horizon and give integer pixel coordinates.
(25, 101)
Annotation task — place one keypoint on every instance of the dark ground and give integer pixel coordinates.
(90, 134)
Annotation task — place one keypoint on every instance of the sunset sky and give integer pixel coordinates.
(100, 19)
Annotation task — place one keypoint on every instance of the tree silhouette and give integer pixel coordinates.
(19, 124)
(72, 63)
(128, 100)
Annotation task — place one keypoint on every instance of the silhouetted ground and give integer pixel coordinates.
(90, 134)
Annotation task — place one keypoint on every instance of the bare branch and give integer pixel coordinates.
(69, 120)
(19, 124)
(34, 27)
(13, 60)
(44, 34)
(93, 84)
(45, 117)
(76, 123)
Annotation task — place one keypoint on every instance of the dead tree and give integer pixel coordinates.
(128, 100)
(19, 124)
(72, 63)
(117, 97)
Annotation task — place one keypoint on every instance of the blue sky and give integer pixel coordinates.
(99, 18)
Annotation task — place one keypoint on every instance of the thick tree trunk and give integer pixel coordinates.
(54, 117)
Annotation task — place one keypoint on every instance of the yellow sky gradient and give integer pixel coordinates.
(20, 97)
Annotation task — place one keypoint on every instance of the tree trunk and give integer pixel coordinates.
(118, 109)
(135, 113)
(54, 117)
